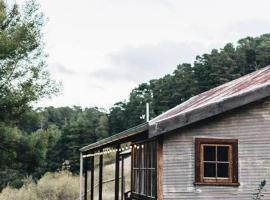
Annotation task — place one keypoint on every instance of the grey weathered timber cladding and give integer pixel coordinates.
(249, 124)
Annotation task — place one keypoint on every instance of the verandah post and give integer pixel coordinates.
(81, 175)
(92, 166)
(85, 178)
(123, 177)
(100, 176)
(117, 158)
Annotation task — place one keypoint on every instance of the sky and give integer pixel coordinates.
(101, 49)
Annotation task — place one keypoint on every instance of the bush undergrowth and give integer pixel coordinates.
(52, 186)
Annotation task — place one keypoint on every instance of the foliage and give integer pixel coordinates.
(117, 118)
(45, 139)
(23, 80)
(83, 126)
(52, 186)
(23, 75)
(259, 194)
(24, 154)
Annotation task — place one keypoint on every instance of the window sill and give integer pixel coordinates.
(216, 184)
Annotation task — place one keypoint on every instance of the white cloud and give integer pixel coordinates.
(60, 68)
(142, 63)
(251, 27)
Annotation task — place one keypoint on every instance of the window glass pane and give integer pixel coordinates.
(134, 159)
(209, 170)
(223, 170)
(223, 153)
(209, 153)
(137, 181)
(153, 192)
(145, 174)
(142, 158)
(138, 158)
(151, 157)
(150, 183)
(147, 182)
(145, 147)
(142, 181)
(154, 155)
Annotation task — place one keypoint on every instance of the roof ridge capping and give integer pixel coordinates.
(236, 93)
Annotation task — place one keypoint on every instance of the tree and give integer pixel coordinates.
(61, 116)
(253, 53)
(103, 127)
(162, 90)
(29, 121)
(136, 106)
(23, 75)
(24, 154)
(84, 127)
(117, 118)
(174, 89)
(24, 79)
(216, 68)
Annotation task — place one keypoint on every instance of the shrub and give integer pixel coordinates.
(52, 186)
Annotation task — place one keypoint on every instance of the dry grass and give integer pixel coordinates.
(52, 186)
(64, 186)
(109, 174)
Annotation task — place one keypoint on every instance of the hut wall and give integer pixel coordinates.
(250, 125)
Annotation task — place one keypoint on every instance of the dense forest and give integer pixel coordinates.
(35, 141)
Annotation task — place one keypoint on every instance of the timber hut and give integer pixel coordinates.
(216, 145)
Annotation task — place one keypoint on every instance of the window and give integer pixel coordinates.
(144, 170)
(216, 161)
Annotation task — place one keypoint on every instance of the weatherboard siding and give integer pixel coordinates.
(250, 125)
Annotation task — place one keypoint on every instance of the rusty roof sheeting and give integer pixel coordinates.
(244, 84)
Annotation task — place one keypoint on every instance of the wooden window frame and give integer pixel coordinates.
(232, 180)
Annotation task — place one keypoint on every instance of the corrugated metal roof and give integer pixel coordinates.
(236, 87)
(239, 92)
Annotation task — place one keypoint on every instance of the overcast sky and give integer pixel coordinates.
(101, 49)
